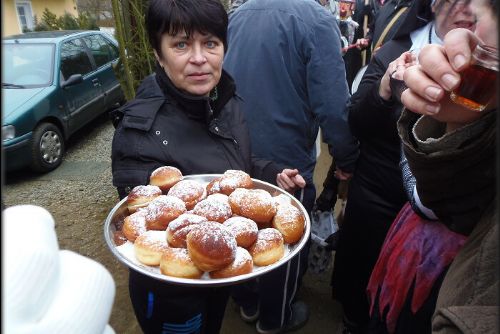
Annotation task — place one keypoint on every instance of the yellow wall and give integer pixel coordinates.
(10, 23)
(55, 6)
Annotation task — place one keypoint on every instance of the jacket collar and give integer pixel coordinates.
(141, 111)
(419, 14)
(454, 174)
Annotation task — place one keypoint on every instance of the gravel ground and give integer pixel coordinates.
(79, 195)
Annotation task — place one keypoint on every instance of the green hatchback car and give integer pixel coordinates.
(53, 83)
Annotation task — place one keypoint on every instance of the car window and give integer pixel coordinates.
(74, 59)
(101, 49)
(29, 65)
(113, 49)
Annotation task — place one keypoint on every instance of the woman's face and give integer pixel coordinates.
(451, 14)
(486, 26)
(486, 30)
(346, 9)
(194, 64)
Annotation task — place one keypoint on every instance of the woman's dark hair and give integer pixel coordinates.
(494, 7)
(174, 16)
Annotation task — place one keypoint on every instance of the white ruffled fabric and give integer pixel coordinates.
(47, 290)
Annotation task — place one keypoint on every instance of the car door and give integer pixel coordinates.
(84, 101)
(105, 54)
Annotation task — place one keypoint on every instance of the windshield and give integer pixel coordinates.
(27, 65)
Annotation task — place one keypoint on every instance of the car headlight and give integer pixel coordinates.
(8, 132)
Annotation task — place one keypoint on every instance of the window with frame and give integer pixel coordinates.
(74, 59)
(25, 15)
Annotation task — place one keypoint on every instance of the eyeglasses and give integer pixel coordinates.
(425, 15)
(457, 3)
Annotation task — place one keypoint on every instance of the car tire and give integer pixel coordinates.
(47, 148)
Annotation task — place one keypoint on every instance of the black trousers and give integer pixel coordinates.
(163, 308)
(275, 291)
(368, 217)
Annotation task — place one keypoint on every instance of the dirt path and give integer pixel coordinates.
(79, 195)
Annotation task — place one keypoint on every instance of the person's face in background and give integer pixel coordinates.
(346, 9)
(486, 25)
(486, 31)
(451, 14)
(194, 64)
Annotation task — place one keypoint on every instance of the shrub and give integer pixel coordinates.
(50, 20)
(67, 21)
(87, 22)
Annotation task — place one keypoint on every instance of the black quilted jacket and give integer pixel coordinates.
(162, 126)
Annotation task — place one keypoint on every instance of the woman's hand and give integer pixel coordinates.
(341, 175)
(437, 74)
(290, 180)
(395, 69)
(362, 43)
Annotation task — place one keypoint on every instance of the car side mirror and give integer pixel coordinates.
(72, 80)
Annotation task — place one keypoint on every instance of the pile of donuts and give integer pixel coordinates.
(223, 228)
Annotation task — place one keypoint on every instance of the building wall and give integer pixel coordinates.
(57, 7)
(10, 23)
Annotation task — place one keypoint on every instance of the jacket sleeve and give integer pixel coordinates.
(328, 92)
(410, 183)
(128, 170)
(368, 112)
(258, 168)
(266, 170)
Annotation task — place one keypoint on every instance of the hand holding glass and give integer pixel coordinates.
(477, 87)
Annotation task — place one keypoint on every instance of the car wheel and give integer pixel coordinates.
(47, 148)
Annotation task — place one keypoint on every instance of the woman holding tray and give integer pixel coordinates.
(185, 115)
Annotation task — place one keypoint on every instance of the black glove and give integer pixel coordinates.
(115, 116)
(332, 241)
(327, 199)
(397, 88)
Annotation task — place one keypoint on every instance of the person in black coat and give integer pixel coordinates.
(376, 192)
(185, 115)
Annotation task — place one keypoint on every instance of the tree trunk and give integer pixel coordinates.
(124, 76)
(135, 52)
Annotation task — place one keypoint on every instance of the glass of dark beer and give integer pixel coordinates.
(478, 84)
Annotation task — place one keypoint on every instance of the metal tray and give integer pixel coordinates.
(120, 211)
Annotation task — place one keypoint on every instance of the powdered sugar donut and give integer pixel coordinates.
(176, 262)
(290, 222)
(141, 196)
(211, 246)
(268, 248)
(134, 225)
(179, 228)
(149, 247)
(190, 191)
(215, 208)
(213, 186)
(165, 177)
(282, 198)
(232, 179)
(256, 204)
(244, 230)
(242, 264)
(162, 210)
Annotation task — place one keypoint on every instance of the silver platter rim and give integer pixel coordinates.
(119, 211)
